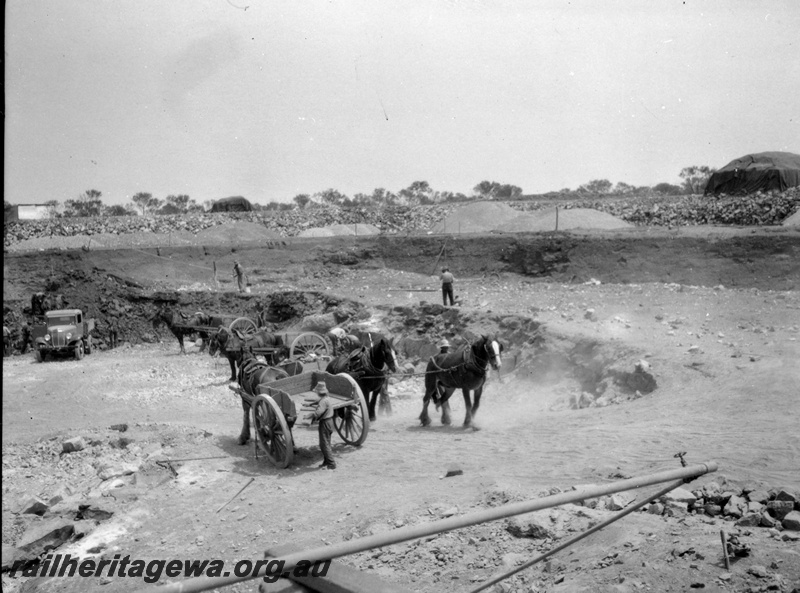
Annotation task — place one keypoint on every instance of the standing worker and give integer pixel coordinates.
(447, 286)
(324, 415)
(444, 346)
(241, 279)
(113, 333)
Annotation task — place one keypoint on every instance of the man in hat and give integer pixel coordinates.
(447, 286)
(343, 343)
(444, 346)
(241, 279)
(324, 415)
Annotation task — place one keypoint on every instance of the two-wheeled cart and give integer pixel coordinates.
(275, 406)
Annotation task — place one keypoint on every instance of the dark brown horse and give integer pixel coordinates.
(182, 324)
(252, 374)
(366, 366)
(464, 369)
(232, 344)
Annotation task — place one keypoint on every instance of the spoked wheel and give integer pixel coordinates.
(352, 422)
(272, 433)
(308, 343)
(245, 325)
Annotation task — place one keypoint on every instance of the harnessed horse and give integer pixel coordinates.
(181, 324)
(232, 346)
(252, 373)
(366, 367)
(464, 369)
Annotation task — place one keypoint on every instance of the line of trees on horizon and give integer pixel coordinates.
(419, 193)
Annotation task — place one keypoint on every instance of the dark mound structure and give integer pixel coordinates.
(233, 204)
(756, 172)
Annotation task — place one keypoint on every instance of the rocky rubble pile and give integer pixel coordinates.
(285, 224)
(754, 210)
(751, 506)
(73, 485)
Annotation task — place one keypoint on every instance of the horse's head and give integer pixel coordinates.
(388, 353)
(162, 316)
(492, 348)
(219, 341)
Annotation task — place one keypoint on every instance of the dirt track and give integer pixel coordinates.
(732, 399)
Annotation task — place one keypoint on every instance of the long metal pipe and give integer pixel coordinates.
(403, 534)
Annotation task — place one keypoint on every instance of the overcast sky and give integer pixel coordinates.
(268, 99)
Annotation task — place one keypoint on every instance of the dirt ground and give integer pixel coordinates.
(715, 313)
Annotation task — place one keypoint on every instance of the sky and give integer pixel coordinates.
(270, 99)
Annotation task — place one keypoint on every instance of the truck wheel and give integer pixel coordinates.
(38, 356)
(79, 351)
(89, 345)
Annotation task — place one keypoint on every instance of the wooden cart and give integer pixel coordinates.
(273, 426)
(303, 345)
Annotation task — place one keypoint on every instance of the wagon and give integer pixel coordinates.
(300, 344)
(272, 419)
(231, 322)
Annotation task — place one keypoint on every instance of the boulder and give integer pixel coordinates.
(32, 505)
(45, 536)
(749, 520)
(768, 521)
(620, 500)
(115, 470)
(761, 496)
(735, 506)
(73, 444)
(534, 525)
(712, 509)
(784, 494)
(780, 508)
(680, 495)
(791, 522)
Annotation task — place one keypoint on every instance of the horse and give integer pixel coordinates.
(252, 373)
(233, 344)
(464, 369)
(181, 324)
(365, 365)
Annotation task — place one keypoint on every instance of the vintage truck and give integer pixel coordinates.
(64, 331)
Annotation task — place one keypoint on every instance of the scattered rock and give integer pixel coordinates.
(119, 427)
(45, 536)
(780, 508)
(758, 571)
(620, 500)
(680, 495)
(453, 470)
(32, 505)
(533, 525)
(791, 521)
(117, 469)
(73, 444)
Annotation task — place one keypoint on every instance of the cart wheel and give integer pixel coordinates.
(309, 342)
(273, 436)
(352, 422)
(245, 325)
(79, 351)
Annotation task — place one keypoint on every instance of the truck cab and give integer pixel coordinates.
(65, 331)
